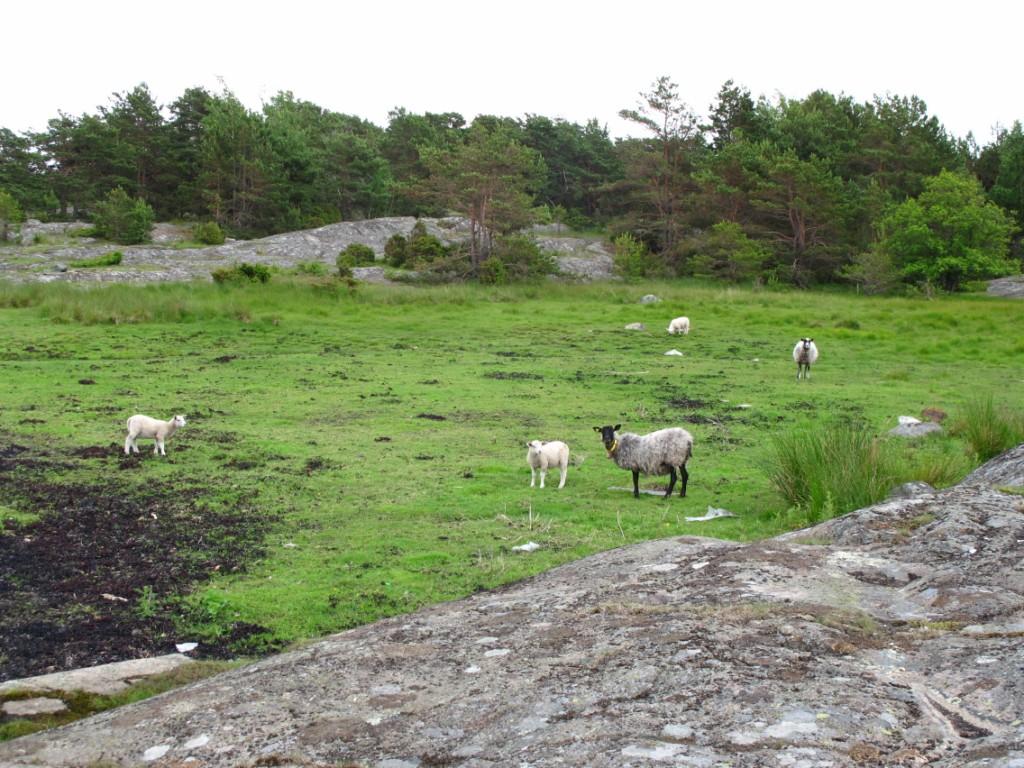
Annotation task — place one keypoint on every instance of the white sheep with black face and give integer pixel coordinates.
(542, 455)
(805, 354)
(144, 426)
(658, 453)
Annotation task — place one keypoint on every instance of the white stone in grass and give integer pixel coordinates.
(674, 353)
(530, 546)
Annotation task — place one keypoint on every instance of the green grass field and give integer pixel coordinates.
(387, 426)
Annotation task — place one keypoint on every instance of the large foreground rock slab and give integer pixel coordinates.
(103, 679)
(891, 636)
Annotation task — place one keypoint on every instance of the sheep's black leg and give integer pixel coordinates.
(636, 484)
(671, 482)
(685, 476)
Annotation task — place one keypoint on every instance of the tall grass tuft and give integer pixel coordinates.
(990, 428)
(829, 470)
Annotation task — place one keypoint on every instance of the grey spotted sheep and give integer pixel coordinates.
(663, 452)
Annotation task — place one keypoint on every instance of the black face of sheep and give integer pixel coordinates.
(608, 436)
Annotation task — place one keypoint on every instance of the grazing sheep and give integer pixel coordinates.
(679, 325)
(657, 453)
(541, 455)
(144, 426)
(805, 354)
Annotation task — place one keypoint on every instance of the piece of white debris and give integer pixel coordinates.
(702, 564)
(155, 753)
(674, 353)
(713, 514)
(186, 647)
(530, 546)
(744, 405)
(289, 545)
(908, 421)
(114, 598)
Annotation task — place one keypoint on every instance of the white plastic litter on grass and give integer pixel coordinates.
(713, 514)
(529, 546)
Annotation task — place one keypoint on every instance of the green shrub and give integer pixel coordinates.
(208, 232)
(10, 214)
(725, 252)
(516, 259)
(315, 268)
(632, 259)
(424, 248)
(106, 260)
(344, 270)
(396, 250)
(357, 255)
(123, 220)
(833, 469)
(989, 428)
(244, 272)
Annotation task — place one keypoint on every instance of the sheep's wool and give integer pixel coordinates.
(654, 453)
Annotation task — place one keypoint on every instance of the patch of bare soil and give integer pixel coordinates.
(98, 577)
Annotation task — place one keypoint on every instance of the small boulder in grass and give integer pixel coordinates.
(636, 327)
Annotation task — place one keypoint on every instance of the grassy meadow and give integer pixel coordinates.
(384, 429)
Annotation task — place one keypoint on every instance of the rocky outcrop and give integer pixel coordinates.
(890, 636)
(160, 262)
(1009, 287)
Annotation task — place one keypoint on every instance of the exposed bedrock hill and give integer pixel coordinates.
(890, 636)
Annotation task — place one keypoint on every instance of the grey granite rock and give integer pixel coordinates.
(1007, 287)
(915, 430)
(579, 258)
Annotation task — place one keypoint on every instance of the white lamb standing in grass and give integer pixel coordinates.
(805, 354)
(144, 426)
(541, 455)
(679, 325)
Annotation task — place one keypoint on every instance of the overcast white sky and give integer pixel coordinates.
(573, 60)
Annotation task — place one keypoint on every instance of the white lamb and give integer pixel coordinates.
(679, 325)
(541, 455)
(144, 426)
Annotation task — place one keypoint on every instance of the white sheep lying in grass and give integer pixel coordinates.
(657, 453)
(541, 455)
(804, 355)
(144, 426)
(679, 325)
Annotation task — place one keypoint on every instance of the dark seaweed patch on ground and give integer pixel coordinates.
(91, 542)
(686, 402)
(514, 375)
(431, 416)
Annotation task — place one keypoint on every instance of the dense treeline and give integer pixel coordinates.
(809, 190)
